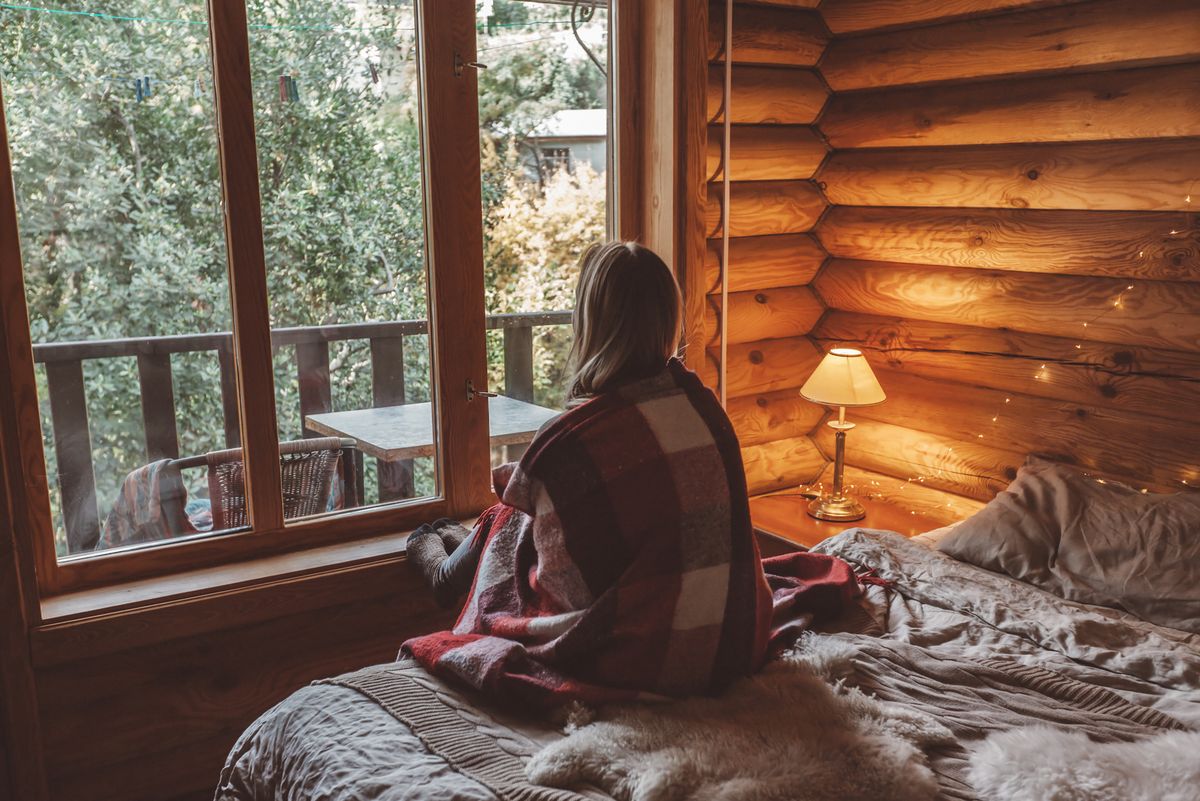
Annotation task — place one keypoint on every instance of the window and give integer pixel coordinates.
(556, 158)
(277, 349)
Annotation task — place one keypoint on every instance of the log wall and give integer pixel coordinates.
(996, 199)
(1013, 238)
(775, 205)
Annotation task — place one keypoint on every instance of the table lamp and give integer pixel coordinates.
(843, 378)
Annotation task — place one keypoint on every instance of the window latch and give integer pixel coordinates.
(472, 392)
(460, 65)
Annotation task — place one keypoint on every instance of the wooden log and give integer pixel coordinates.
(767, 35)
(765, 314)
(1116, 104)
(763, 366)
(1101, 34)
(1144, 245)
(766, 416)
(857, 16)
(1135, 380)
(780, 464)
(1157, 175)
(971, 469)
(767, 95)
(766, 152)
(1155, 314)
(762, 208)
(1135, 447)
(763, 262)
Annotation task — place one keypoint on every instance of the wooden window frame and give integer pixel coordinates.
(454, 260)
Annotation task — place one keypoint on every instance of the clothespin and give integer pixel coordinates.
(146, 85)
(198, 88)
(283, 89)
(138, 90)
(374, 73)
(293, 90)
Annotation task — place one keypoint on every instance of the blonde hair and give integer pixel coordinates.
(627, 317)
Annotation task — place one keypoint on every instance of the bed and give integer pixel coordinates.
(980, 651)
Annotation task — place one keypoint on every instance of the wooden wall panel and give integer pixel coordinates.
(767, 416)
(767, 95)
(1135, 380)
(764, 314)
(970, 469)
(766, 152)
(763, 35)
(763, 262)
(1113, 176)
(856, 16)
(1102, 34)
(781, 464)
(760, 208)
(765, 366)
(1142, 245)
(1155, 314)
(1117, 104)
(1141, 448)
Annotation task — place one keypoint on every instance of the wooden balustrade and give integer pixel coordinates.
(68, 398)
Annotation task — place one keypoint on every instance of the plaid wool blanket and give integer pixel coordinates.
(620, 562)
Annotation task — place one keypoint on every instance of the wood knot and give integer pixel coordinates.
(1010, 473)
(1123, 357)
(760, 297)
(1081, 413)
(977, 241)
(924, 122)
(1108, 390)
(1032, 175)
(762, 403)
(756, 357)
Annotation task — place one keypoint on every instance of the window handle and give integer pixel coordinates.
(472, 392)
(460, 65)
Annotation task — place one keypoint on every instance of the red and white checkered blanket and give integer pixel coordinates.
(621, 561)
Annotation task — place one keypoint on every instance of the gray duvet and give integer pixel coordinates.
(980, 651)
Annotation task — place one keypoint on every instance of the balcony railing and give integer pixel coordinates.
(68, 404)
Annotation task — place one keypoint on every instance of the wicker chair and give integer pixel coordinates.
(307, 471)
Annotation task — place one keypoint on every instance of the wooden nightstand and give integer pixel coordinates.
(905, 507)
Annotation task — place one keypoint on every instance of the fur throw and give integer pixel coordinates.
(1044, 762)
(791, 732)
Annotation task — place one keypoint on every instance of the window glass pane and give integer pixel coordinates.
(110, 120)
(543, 109)
(337, 110)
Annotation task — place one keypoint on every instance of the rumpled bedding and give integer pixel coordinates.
(979, 650)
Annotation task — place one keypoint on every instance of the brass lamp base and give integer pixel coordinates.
(838, 508)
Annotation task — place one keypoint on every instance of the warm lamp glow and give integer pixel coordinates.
(843, 378)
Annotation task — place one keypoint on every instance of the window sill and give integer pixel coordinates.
(138, 613)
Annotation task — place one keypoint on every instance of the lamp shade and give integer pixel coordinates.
(843, 378)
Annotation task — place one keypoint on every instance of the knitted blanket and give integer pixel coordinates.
(621, 562)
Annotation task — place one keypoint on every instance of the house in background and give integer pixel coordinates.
(571, 137)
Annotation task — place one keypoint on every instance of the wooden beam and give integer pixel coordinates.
(763, 35)
(247, 267)
(764, 366)
(1157, 175)
(1135, 447)
(781, 464)
(766, 153)
(764, 262)
(764, 314)
(1154, 314)
(766, 416)
(970, 469)
(1115, 104)
(1101, 34)
(1135, 380)
(762, 208)
(767, 95)
(858, 16)
(1143, 245)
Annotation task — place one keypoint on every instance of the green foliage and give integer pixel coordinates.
(122, 229)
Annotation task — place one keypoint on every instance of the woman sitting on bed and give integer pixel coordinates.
(620, 560)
